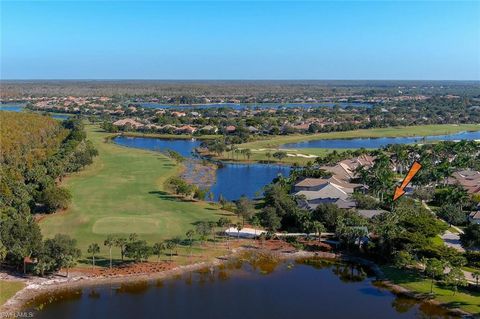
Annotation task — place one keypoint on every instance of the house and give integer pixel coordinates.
(370, 213)
(128, 123)
(468, 179)
(230, 129)
(186, 129)
(326, 193)
(313, 184)
(209, 129)
(178, 114)
(474, 217)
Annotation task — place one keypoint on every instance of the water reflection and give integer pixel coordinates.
(253, 286)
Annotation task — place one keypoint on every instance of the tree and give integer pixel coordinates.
(476, 276)
(244, 208)
(110, 242)
(433, 268)
(203, 230)
(280, 155)
(93, 249)
(120, 243)
(471, 236)
(456, 278)
(319, 228)
(59, 251)
(452, 214)
(403, 259)
(190, 233)
(55, 198)
(270, 220)
(157, 249)
(138, 250)
(170, 245)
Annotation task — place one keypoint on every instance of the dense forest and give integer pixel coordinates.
(36, 153)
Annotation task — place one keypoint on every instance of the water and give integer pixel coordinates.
(12, 107)
(184, 147)
(239, 290)
(243, 106)
(380, 142)
(20, 107)
(235, 180)
(231, 180)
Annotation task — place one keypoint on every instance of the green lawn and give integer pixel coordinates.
(467, 301)
(8, 288)
(421, 130)
(122, 192)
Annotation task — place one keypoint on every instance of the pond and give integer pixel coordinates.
(230, 180)
(380, 142)
(243, 106)
(12, 107)
(257, 289)
(20, 107)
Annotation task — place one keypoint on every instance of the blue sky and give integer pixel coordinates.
(435, 40)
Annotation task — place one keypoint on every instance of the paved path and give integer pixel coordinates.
(452, 240)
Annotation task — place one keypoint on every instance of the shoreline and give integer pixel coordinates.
(39, 286)
(36, 286)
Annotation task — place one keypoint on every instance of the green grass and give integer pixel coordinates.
(121, 193)
(421, 130)
(468, 301)
(8, 288)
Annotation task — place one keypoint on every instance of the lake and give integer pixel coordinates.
(231, 180)
(20, 107)
(380, 142)
(243, 106)
(238, 290)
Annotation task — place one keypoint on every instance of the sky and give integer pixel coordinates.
(389, 40)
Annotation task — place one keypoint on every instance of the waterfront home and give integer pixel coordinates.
(314, 184)
(128, 123)
(186, 129)
(327, 193)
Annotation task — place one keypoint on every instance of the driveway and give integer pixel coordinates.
(452, 240)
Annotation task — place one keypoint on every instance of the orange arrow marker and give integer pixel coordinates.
(399, 191)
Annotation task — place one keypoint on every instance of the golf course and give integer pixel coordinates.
(403, 131)
(122, 193)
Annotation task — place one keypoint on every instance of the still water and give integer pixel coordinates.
(380, 142)
(231, 180)
(257, 289)
(20, 107)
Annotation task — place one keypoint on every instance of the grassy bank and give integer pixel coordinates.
(8, 288)
(422, 130)
(121, 193)
(412, 281)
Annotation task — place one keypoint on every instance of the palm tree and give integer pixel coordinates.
(170, 245)
(120, 243)
(157, 249)
(93, 249)
(476, 276)
(239, 228)
(190, 235)
(109, 242)
(319, 228)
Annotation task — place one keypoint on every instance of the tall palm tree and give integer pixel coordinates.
(190, 235)
(93, 249)
(110, 242)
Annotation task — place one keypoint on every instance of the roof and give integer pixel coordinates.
(474, 215)
(330, 190)
(369, 213)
